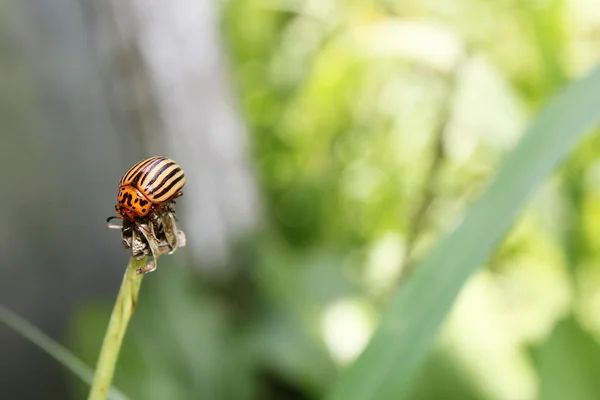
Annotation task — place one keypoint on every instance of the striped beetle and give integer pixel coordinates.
(144, 201)
(148, 186)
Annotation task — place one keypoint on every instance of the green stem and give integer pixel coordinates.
(117, 326)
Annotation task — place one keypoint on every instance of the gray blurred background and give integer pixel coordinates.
(84, 95)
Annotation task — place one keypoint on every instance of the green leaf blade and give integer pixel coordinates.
(409, 327)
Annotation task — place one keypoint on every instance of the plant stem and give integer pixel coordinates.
(117, 326)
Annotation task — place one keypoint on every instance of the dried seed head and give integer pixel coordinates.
(152, 238)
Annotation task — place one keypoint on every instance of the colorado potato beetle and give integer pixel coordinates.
(144, 204)
(148, 186)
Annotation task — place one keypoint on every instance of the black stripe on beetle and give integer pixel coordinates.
(134, 169)
(157, 174)
(168, 188)
(170, 175)
(147, 169)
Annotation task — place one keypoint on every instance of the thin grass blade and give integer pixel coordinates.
(54, 349)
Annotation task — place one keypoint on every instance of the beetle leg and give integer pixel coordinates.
(172, 211)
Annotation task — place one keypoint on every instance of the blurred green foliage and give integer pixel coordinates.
(568, 363)
(409, 325)
(374, 124)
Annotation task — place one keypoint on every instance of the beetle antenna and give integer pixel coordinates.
(112, 226)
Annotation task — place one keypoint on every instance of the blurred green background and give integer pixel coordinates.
(371, 126)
